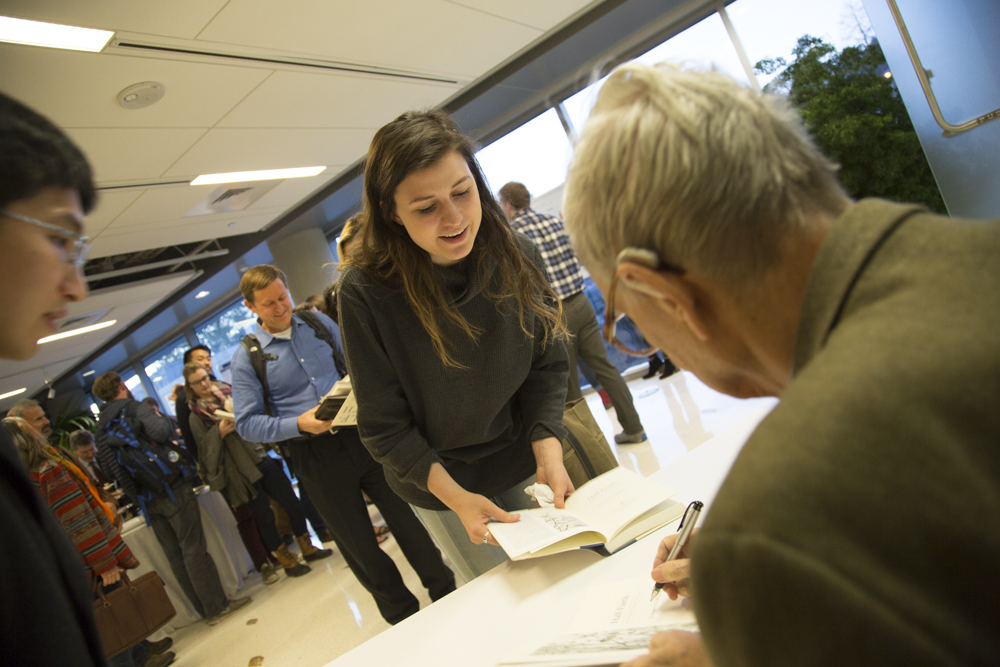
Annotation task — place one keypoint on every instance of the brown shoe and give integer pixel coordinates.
(309, 552)
(293, 568)
(325, 536)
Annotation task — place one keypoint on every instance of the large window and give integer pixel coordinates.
(222, 333)
(164, 371)
(536, 154)
(133, 383)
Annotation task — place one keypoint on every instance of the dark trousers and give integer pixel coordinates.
(312, 514)
(177, 526)
(588, 343)
(246, 523)
(336, 469)
(274, 483)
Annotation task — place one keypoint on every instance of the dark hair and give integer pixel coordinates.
(308, 305)
(316, 300)
(187, 355)
(35, 154)
(106, 387)
(330, 302)
(417, 140)
(151, 402)
(515, 194)
(81, 438)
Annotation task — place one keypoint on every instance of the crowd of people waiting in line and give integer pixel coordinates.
(703, 211)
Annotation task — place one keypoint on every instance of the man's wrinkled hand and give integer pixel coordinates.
(674, 574)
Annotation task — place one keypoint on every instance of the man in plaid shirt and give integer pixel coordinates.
(566, 278)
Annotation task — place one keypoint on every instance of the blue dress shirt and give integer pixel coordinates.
(300, 376)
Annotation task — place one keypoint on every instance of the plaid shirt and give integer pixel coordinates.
(549, 235)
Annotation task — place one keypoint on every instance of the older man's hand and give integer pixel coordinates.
(674, 649)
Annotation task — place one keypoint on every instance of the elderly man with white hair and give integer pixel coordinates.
(861, 522)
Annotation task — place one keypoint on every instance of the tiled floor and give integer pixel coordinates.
(311, 620)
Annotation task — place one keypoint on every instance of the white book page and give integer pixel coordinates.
(611, 500)
(348, 415)
(536, 529)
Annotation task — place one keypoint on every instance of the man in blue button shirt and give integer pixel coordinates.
(335, 468)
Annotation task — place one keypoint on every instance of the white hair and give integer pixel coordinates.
(710, 175)
(17, 410)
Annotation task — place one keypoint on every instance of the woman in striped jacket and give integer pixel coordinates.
(70, 495)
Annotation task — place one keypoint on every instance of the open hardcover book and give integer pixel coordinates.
(610, 510)
(339, 405)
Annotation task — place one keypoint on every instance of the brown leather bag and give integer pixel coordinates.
(132, 612)
(586, 453)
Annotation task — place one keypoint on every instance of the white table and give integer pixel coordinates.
(521, 604)
(224, 545)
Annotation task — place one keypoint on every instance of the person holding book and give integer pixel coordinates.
(243, 471)
(859, 524)
(276, 399)
(453, 339)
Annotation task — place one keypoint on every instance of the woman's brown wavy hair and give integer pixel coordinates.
(417, 140)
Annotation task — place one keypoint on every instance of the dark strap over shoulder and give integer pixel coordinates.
(323, 334)
(258, 360)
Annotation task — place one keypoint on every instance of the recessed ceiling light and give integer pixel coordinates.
(13, 393)
(264, 175)
(52, 35)
(89, 373)
(76, 332)
(202, 294)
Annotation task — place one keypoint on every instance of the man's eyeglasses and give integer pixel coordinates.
(75, 254)
(646, 258)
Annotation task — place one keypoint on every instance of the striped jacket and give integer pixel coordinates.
(81, 517)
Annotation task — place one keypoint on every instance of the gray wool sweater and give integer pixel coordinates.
(478, 421)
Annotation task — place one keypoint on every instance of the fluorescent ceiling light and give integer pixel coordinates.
(88, 373)
(13, 393)
(202, 294)
(52, 35)
(265, 175)
(76, 332)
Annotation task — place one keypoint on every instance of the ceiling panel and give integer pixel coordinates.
(197, 94)
(131, 154)
(431, 36)
(335, 100)
(228, 150)
(293, 190)
(177, 18)
(165, 205)
(144, 238)
(110, 204)
(541, 15)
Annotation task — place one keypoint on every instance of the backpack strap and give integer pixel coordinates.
(259, 364)
(323, 334)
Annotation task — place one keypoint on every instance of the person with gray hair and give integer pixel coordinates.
(31, 412)
(860, 522)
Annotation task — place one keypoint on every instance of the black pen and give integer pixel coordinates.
(687, 524)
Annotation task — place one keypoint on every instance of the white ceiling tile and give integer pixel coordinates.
(430, 36)
(144, 238)
(131, 154)
(227, 150)
(294, 190)
(110, 205)
(177, 18)
(333, 100)
(197, 94)
(540, 15)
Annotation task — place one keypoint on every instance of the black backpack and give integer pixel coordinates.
(153, 466)
(259, 360)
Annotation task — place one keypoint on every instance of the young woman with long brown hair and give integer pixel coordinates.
(453, 341)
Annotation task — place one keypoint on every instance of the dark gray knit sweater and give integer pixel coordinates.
(479, 421)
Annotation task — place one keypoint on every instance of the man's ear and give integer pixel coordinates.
(249, 306)
(669, 290)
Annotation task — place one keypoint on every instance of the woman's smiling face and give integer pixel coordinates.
(439, 207)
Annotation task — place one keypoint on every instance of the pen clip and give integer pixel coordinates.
(697, 505)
